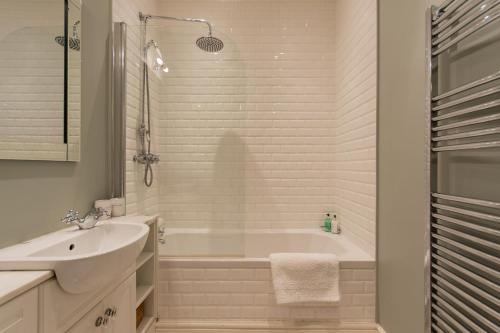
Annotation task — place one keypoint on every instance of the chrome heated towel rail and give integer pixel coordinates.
(463, 262)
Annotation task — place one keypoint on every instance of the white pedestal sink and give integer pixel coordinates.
(83, 260)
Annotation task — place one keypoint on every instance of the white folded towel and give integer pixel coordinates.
(310, 279)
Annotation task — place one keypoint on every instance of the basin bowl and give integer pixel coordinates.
(82, 260)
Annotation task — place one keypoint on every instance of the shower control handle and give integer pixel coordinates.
(147, 158)
(161, 234)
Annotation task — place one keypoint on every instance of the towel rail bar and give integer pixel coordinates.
(475, 227)
(468, 212)
(468, 98)
(482, 10)
(460, 313)
(463, 294)
(475, 108)
(465, 10)
(444, 5)
(468, 146)
(441, 322)
(481, 281)
(468, 86)
(437, 329)
(471, 251)
(467, 310)
(446, 11)
(474, 239)
(462, 261)
(466, 135)
(474, 121)
(447, 320)
(483, 23)
(480, 267)
(477, 202)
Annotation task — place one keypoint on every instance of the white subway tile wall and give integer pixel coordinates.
(201, 293)
(279, 127)
(139, 198)
(272, 132)
(354, 166)
(247, 134)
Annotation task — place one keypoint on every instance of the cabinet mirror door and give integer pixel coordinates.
(40, 85)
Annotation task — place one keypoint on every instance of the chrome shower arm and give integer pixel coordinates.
(145, 19)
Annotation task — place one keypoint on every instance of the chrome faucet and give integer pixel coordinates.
(88, 221)
(161, 234)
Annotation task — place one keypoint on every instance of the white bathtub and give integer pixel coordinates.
(223, 281)
(257, 244)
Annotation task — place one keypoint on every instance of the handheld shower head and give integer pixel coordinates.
(155, 58)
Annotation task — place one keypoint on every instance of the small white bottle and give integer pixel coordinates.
(335, 225)
(118, 205)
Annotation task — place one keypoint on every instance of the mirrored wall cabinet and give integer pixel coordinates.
(40, 79)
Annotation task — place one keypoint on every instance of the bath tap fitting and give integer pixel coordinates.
(88, 221)
(161, 234)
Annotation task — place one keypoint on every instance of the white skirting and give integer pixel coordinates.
(229, 330)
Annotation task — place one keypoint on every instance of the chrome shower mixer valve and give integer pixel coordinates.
(145, 158)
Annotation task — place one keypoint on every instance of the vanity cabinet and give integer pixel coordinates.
(36, 303)
(20, 314)
(60, 311)
(114, 314)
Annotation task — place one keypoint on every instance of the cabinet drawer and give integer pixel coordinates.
(20, 315)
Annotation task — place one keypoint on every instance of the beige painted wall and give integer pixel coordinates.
(402, 186)
(34, 195)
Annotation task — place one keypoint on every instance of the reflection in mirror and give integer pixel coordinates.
(40, 80)
(74, 79)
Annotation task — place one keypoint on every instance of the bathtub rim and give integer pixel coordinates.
(232, 262)
(362, 259)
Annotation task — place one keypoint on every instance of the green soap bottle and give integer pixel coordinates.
(327, 223)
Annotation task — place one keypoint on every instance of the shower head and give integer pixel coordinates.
(74, 42)
(155, 58)
(210, 44)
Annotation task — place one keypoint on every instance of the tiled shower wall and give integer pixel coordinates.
(247, 134)
(278, 128)
(274, 131)
(354, 167)
(139, 198)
